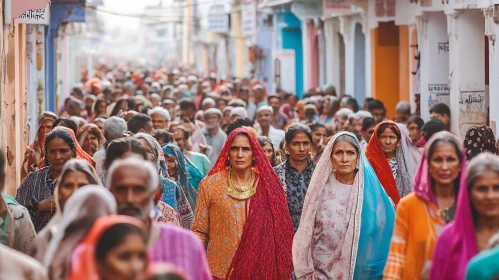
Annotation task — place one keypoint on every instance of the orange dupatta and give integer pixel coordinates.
(379, 162)
(80, 153)
(83, 264)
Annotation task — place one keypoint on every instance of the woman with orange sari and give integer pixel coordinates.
(394, 158)
(422, 214)
(99, 255)
(242, 214)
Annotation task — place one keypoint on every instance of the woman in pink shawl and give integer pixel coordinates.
(475, 222)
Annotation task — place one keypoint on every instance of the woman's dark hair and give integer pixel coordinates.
(264, 140)
(353, 102)
(417, 120)
(113, 237)
(431, 127)
(334, 107)
(314, 126)
(440, 109)
(61, 134)
(163, 135)
(117, 106)
(297, 128)
(367, 123)
(447, 139)
(384, 126)
(66, 123)
(97, 103)
(119, 147)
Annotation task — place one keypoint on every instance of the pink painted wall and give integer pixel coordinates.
(312, 56)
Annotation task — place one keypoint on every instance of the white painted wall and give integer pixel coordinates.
(331, 29)
(434, 60)
(467, 68)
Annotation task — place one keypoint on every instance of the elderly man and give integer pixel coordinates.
(264, 118)
(90, 138)
(403, 110)
(250, 104)
(238, 112)
(215, 137)
(134, 183)
(341, 119)
(114, 128)
(160, 118)
(208, 103)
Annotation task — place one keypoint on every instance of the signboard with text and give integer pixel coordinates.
(248, 17)
(36, 16)
(473, 110)
(218, 20)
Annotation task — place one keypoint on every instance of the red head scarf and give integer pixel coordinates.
(265, 248)
(80, 153)
(379, 162)
(83, 264)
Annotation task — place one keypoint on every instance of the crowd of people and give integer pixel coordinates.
(168, 175)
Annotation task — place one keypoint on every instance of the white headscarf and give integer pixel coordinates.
(91, 198)
(153, 143)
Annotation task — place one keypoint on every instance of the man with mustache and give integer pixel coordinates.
(134, 183)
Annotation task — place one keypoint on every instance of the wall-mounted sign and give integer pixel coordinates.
(473, 110)
(218, 20)
(336, 7)
(36, 16)
(248, 17)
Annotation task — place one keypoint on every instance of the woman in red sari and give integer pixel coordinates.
(394, 158)
(242, 214)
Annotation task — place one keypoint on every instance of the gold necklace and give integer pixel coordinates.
(241, 193)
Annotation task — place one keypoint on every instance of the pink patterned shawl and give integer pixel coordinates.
(303, 241)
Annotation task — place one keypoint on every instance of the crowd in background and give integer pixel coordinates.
(165, 174)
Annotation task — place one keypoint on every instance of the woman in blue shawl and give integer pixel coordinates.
(347, 219)
(183, 171)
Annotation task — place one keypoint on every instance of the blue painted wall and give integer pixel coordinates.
(59, 13)
(265, 41)
(289, 27)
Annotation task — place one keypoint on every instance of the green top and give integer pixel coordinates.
(484, 265)
(201, 162)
